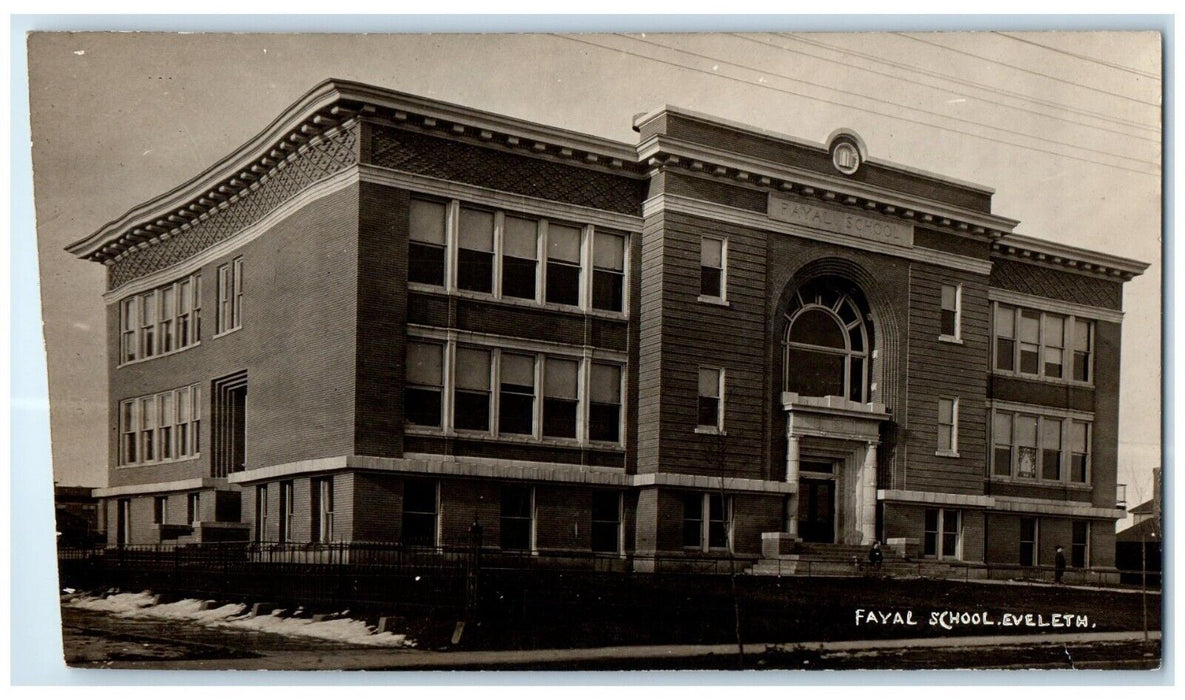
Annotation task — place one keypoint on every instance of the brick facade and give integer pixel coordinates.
(328, 311)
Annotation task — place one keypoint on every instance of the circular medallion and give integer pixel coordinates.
(846, 157)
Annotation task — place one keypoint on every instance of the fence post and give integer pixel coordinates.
(472, 569)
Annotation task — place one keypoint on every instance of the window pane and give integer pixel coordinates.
(476, 230)
(817, 327)
(475, 270)
(422, 406)
(946, 409)
(815, 373)
(711, 253)
(1026, 430)
(709, 382)
(693, 507)
(1005, 354)
(710, 282)
(1005, 317)
(948, 297)
(520, 238)
(608, 290)
(561, 378)
(425, 264)
(471, 410)
(518, 277)
(1030, 326)
(559, 417)
(1078, 433)
(1053, 328)
(709, 411)
(419, 496)
(606, 383)
(563, 283)
(427, 222)
(1082, 335)
(518, 371)
(425, 364)
(1051, 446)
(517, 384)
(1002, 427)
(563, 243)
(473, 369)
(604, 422)
(609, 251)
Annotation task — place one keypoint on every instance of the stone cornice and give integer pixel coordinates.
(1058, 306)
(205, 482)
(1061, 256)
(662, 151)
(332, 105)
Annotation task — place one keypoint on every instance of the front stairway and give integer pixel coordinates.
(816, 559)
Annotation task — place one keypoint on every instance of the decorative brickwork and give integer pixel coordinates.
(510, 172)
(331, 154)
(1056, 284)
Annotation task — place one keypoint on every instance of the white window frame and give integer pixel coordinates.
(287, 511)
(722, 299)
(1069, 331)
(951, 450)
(132, 325)
(1086, 550)
(1036, 560)
(585, 263)
(718, 428)
(228, 287)
(941, 532)
(193, 507)
(705, 535)
(324, 491)
(159, 427)
(957, 337)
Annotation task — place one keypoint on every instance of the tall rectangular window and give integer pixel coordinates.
(560, 397)
(948, 426)
(230, 296)
(261, 513)
(712, 268)
(148, 428)
(471, 398)
(693, 520)
(184, 444)
(148, 322)
(1005, 338)
(517, 513)
(160, 510)
(195, 422)
(516, 395)
(128, 330)
(606, 521)
(423, 392)
(1051, 448)
(951, 302)
(520, 257)
(1079, 451)
(604, 408)
(1080, 544)
(608, 271)
(475, 251)
(128, 428)
(287, 510)
(711, 395)
(1053, 331)
(1083, 342)
(167, 417)
(185, 307)
(193, 508)
(1028, 541)
(1002, 444)
(1025, 433)
(942, 533)
(426, 243)
(420, 499)
(1030, 341)
(323, 508)
(712, 531)
(123, 521)
(168, 313)
(563, 264)
(719, 506)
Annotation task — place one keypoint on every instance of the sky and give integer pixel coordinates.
(1065, 127)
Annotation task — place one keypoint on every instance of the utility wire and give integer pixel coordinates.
(960, 81)
(894, 104)
(1026, 70)
(1083, 57)
(862, 109)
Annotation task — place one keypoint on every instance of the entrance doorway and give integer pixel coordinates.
(816, 510)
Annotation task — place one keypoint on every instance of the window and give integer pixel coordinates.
(604, 408)
(942, 533)
(950, 322)
(261, 513)
(518, 508)
(1083, 342)
(712, 268)
(516, 395)
(475, 251)
(420, 498)
(606, 521)
(424, 388)
(1045, 447)
(160, 510)
(1079, 452)
(608, 272)
(230, 296)
(827, 342)
(520, 257)
(123, 521)
(471, 398)
(1080, 544)
(1028, 541)
(426, 244)
(230, 424)
(563, 265)
(560, 397)
(712, 532)
(286, 511)
(948, 426)
(1039, 344)
(711, 398)
(323, 509)
(193, 508)
(159, 428)
(160, 321)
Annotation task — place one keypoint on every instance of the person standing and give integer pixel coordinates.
(875, 556)
(1059, 564)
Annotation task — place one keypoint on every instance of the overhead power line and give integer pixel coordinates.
(1083, 57)
(752, 83)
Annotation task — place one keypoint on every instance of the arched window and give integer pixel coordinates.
(827, 344)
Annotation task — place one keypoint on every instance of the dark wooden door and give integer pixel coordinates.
(816, 510)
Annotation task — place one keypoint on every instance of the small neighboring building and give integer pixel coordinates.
(76, 511)
(1139, 548)
(387, 317)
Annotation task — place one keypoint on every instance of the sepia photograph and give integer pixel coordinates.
(603, 351)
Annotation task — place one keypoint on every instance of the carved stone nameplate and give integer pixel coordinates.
(795, 211)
